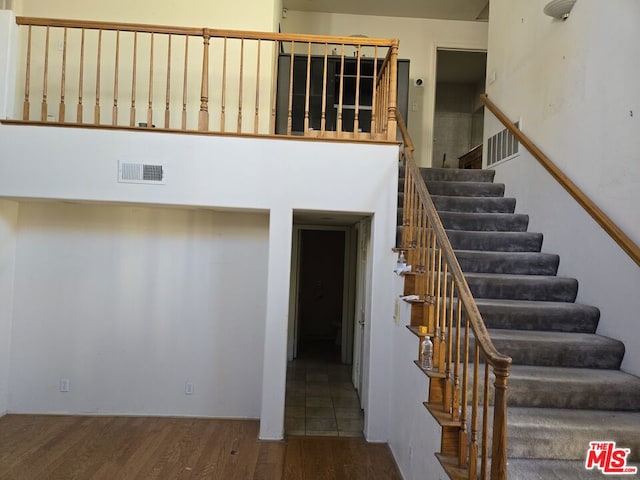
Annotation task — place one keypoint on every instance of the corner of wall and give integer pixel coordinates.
(8, 228)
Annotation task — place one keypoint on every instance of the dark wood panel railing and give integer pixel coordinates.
(585, 202)
(461, 395)
(198, 79)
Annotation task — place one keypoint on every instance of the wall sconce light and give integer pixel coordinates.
(559, 8)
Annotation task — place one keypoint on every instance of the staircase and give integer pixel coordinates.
(566, 388)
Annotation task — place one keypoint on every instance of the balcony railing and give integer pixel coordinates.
(195, 79)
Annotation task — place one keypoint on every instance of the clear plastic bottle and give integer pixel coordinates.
(401, 266)
(426, 353)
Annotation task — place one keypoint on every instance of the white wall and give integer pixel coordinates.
(8, 224)
(573, 86)
(415, 435)
(130, 303)
(257, 15)
(227, 172)
(419, 39)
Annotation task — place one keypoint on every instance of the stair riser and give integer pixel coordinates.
(495, 241)
(526, 441)
(488, 222)
(518, 264)
(555, 354)
(540, 289)
(465, 189)
(474, 205)
(531, 321)
(456, 175)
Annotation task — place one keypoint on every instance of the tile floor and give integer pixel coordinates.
(321, 400)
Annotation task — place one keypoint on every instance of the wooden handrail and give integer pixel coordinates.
(442, 287)
(193, 31)
(592, 209)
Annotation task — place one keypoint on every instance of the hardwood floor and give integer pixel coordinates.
(38, 447)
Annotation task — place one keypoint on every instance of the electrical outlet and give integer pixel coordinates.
(64, 385)
(188, 388)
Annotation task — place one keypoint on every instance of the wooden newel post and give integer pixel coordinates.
(393, 92)
(499, 445)
(203, 118)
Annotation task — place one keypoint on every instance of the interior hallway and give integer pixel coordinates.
(320, 398)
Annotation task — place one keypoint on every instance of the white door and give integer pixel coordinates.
(361, 295)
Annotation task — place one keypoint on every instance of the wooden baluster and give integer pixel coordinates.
(485, 424)
(420, 246)
(274, 92)
(80, 110)
(63, 79)
(116, 74)
(405, 207)
(223, 96)
(443, 323)
(167, 112)
(442, 358)
(393, 93)
(256, 119)
(340, 94)
(356, 113)
(323, 115)
(473, 447)
(96, 110)
(290, 109)
(449, 341)
(184, 82)
(134, 68)
(374, 94)
(464, 433)
(43, 113)
(307, 90)
(240, 86)
(456, 365)
(438, 300)
(27, 80)
(499, 444)
(203, 118)
(150, 101)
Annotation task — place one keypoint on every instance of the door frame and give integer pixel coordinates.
(462, 47)
(348, 292)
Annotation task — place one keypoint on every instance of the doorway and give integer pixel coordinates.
(458, 115)
(321, 398)
(321, 294)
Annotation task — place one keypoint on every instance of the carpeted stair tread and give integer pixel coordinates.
(524, 263)
(565, 433)
(573, 388)
(562, 349)
(542, 469)
(495, 241)
(532, 315)
(522, 287)
(465, 189)
(486, 222)
(446, 203)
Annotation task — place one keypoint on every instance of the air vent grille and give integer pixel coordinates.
(141, 173)
(501, 146)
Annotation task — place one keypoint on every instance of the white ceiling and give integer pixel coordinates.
(442, 9)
